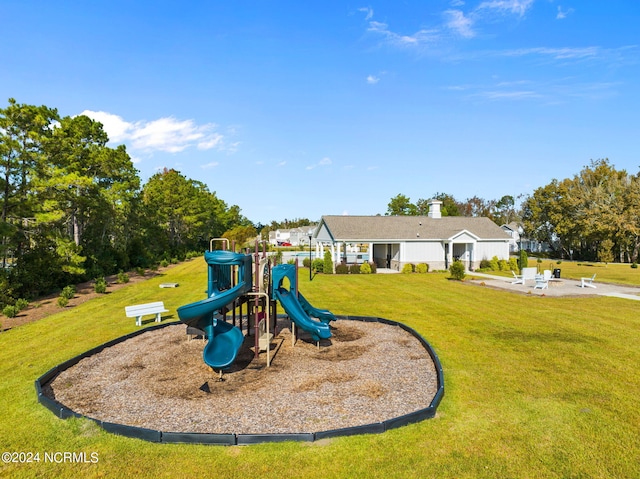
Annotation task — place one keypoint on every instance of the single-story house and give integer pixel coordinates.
(293, 236)
(393, 241)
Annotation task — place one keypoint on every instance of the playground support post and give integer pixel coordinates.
(255, 328)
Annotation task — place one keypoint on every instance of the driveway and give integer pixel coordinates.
(560, 287)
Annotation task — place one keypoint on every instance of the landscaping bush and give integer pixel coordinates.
(164, 263)
(457, 270)
(291, 261)
(328, 263)
(374, 268)
(407, 268)
(342, 269)
(122, 277)
(513, 264)
(365, 268)
(634, 265)
(21, 304)
(494, 264)
(63, 301)
(422, 268)
(523, 261)
(503, 265)
(485, 264)
(354, 269)
(318, 265)
(306, 262)
(100, 286)
(140, 271)
(10, 311)
(68, 292)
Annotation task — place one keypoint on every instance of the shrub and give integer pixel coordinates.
(513, 264)
(318, 265)
(164, 263)
(457, 270)
(354, 269)
(22, 304)
(291, 261)
(306, 262)
(422, 268)
(634, 265)
(63, 301)
(328, 263)
(523, 261)
(140, 271)
(100, 286)
(374, 268)
(342, 269)
(407, 268)
(123, 277)
(68, 292)
(503, 265)
(494, 264)
(485, 264)
(10, 311)
(365, 268)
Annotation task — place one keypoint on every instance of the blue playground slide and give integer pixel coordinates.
(292, 305)
(323, 315)
(294, 310)
(225, 339)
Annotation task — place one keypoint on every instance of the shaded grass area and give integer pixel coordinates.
(535, 387)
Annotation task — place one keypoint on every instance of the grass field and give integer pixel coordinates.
(535, 387)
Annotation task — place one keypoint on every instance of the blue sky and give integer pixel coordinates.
(297, 109)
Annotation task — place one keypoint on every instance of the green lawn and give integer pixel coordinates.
(535, 387)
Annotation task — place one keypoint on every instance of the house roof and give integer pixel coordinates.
(416, 228)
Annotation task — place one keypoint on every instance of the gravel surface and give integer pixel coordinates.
(366, 373)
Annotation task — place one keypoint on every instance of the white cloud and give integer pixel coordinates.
(213, 164)
(282, 163)
(372, 80)
(368, 11)
(326, 161)
(557, 53)
(458, 22)
(421, 37)
(562, 14)
(518, 7)
(164, 134)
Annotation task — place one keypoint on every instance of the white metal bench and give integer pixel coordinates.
(139, 310)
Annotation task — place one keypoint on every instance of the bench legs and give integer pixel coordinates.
(158, 319)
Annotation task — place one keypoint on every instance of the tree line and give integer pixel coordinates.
(593, 216)
(73, 208)
(502, 211)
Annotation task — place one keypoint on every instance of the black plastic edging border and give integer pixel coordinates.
(63, 412)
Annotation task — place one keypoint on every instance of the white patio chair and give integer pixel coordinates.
(588, 282)
(518, 278)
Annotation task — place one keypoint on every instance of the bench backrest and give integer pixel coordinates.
(148, 308)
